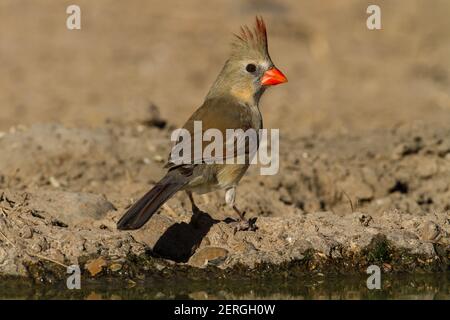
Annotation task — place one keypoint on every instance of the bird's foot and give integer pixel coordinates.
(245, 225)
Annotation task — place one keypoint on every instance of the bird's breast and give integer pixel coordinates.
(229, 175)
(211, 177)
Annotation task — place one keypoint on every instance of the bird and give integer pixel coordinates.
(231, 103)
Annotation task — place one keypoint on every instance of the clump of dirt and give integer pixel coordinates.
(336, 205)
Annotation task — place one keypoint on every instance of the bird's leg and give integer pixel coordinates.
(230, 197)
(240, 214)
(191, 198)
(243, 224)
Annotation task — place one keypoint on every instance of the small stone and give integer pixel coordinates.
(3, 255)
(387, 267)
(115, 267)
(94, 296)
(95, 266)
(208, 254)
(36, 248)
(55, 183)
(159, 266)
(430, 231)
(42, 243)
(26, 232)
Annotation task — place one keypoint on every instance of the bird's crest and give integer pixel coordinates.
(248, 40)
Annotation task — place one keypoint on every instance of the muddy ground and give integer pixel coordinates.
(86, 118)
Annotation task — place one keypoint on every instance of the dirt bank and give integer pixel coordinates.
(335, 206)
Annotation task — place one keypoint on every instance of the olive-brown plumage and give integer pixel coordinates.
(231, 103)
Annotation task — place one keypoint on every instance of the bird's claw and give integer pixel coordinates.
(245, 225)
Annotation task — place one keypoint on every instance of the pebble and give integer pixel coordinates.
(430, 231)
(26, 232)
(3, 255)
(55, 183)
(159, 266)
(387, 267)
(115, 267)
(36, 248)
(202, 257)
(95, 266)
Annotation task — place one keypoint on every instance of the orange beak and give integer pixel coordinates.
(273, 77)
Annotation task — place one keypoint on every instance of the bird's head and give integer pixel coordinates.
(249, 70)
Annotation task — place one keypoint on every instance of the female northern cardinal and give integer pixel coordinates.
(232, 103)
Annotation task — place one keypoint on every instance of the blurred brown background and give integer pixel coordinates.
(343, 78)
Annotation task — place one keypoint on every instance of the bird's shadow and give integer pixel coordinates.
(180, 240)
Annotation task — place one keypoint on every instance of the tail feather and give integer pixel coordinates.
(144, 208)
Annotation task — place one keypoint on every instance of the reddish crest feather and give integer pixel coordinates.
(256, 39)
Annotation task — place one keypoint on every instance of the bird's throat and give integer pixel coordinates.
(243, 94)
(247, 95)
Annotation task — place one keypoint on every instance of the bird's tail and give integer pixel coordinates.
(145, 207)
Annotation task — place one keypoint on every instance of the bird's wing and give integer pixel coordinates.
(220, 114)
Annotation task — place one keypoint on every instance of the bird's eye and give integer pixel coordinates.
(250, 68)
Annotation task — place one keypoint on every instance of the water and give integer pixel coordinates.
(435, 286)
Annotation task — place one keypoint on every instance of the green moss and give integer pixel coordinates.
(379, 250)
(45, 272)
(148, 267)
